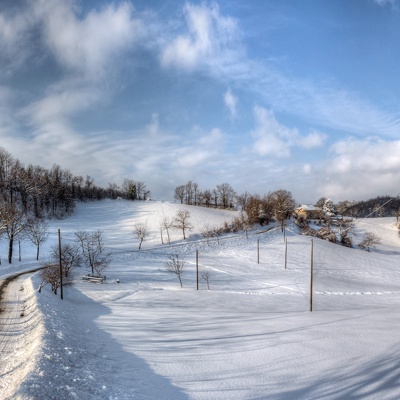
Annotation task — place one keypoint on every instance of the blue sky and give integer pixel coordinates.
(300, 95)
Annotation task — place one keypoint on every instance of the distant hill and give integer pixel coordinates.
(381, 206)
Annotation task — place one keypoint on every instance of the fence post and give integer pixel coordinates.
(197, 268)
(285, 253)
(60, 263)
(311, 275)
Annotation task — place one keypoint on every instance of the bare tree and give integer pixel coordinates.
(207, 232)
(346, 230)
(37, 233)
(245, 223)
(176, 266)
(113, 190)
(242, 200)
(142, 192)
(50, 274)
(14, 222)
(283, 205)
(189, 192)
(94, 253)
(180, 193)
(166, 224)
(215, 197)
(129, 189)
(226, 195)
(207, 196)
(369, 241)
(195, 193)
(71, 257)
(81, 238)
(206, 275)
(181, 221)
(217, 233)
(141, 231)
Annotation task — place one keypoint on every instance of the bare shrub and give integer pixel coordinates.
(141, 231)
(369, 241)
(206, 275)
(207, 232)
(50, 274)
(176, 266)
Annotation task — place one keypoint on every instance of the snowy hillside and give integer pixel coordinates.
(251, 336)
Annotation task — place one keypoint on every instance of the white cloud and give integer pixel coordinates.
(273, 138)
(313, 139)
(208, 34)
(230, 101)
(363, 168)
(88, 45)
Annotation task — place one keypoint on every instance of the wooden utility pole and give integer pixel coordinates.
(60, 263)
(197, 268)
(285, 253)
(311, 276)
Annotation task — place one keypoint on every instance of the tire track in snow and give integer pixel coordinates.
(18, 320)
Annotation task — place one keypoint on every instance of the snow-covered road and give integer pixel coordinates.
(20, 328)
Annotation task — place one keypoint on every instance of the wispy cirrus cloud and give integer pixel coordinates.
(207, 34)
(213, 42)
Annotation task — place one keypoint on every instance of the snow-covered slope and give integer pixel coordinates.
(251, 336)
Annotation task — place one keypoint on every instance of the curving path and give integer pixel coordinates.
(20, 331)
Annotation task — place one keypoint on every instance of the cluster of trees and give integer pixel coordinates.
(223, 196)
(29, 195)
(278, 204)
(180, 221)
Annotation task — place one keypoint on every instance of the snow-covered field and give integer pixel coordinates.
(251, 336)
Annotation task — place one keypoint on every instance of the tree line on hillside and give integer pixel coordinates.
(31, 194)
(381, 206)
(277, 205)
(223, 196)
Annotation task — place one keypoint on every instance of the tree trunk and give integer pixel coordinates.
(37, 253)
(10, 249)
